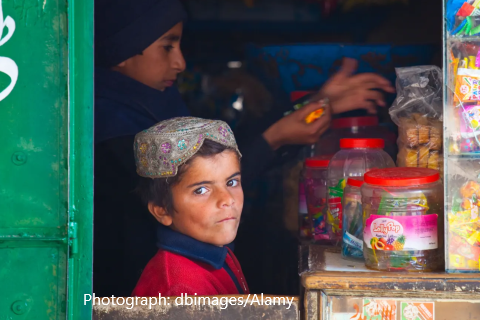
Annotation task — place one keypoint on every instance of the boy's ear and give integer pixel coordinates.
(160, 214)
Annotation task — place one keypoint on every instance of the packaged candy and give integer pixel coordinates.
(418, 112)
(313, 115)
(463, 229)
(466, 86)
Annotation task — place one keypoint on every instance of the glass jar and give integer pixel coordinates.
(403, 219)
(304, 223)
(354, 128)
(316, 195)
(352, 225)
(355, 157)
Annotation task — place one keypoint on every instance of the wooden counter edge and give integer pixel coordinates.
(395, 281)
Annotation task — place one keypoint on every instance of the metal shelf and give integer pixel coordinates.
(464, 39)
(472, 156)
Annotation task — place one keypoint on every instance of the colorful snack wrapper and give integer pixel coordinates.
(464, 230)
(467, 85)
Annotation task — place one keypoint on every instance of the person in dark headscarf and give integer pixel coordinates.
(138, 58)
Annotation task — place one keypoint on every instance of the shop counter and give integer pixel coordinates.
(339, 289)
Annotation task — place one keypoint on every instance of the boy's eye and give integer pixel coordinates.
(168, 48)
(200, 191)
(233, 183)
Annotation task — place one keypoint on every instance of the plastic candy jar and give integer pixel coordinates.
(356, 156)
(352, 225)
(403, 219)
(316, 195)
(304, 221)
(355, 127)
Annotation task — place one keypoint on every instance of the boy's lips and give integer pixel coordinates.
(227, 219)
(169, 83)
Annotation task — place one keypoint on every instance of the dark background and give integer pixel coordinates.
(219, 31)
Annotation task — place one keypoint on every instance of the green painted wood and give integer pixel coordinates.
(81, 157)
(33, 159)
(36, 199)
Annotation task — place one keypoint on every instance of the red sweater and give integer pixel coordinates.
(172, 274)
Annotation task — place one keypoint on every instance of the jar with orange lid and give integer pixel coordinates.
(355, 157)
(403, 219)
(355, 128)
(315, 180)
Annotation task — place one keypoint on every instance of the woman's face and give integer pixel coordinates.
(208, 200)
(159, 64)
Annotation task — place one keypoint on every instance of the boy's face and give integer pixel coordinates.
(159, 64)
(208, 200)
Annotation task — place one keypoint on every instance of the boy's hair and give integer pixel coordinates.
(159, 190)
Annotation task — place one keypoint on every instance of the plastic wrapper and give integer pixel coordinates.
(463, 104)
(462, 130)
(463, 228)
(418, 112)
(463, 18)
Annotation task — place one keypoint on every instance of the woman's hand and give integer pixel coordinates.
(350, 92)
(293, 129)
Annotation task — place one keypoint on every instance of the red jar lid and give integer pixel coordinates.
(318, 162)
(354, 122)
(362, 143)
(401, 177)
(295, 95)
(355, 181)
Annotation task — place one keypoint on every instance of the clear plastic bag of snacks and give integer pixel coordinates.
(418, 112)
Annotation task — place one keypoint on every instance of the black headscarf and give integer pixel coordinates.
(125, 28)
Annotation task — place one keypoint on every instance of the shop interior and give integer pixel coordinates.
(250, 61)
(244, 60)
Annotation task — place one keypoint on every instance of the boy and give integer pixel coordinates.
(191, 184)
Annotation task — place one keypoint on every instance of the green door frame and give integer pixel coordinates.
(46, 158)
(80, 158)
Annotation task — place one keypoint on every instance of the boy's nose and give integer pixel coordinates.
(179, 62)
(226, 200)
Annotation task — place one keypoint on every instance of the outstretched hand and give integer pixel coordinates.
(348, 92)
(293, 129)
(345, 91)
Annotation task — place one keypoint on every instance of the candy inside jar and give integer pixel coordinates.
(352, 226)
(316, 194)
(355, 158)
(403, 219)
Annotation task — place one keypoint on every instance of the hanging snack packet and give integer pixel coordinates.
(466, 86)
(418, 112)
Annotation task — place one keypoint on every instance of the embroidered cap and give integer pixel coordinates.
(161, 149)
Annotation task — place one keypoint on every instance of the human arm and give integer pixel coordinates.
(348, 92)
